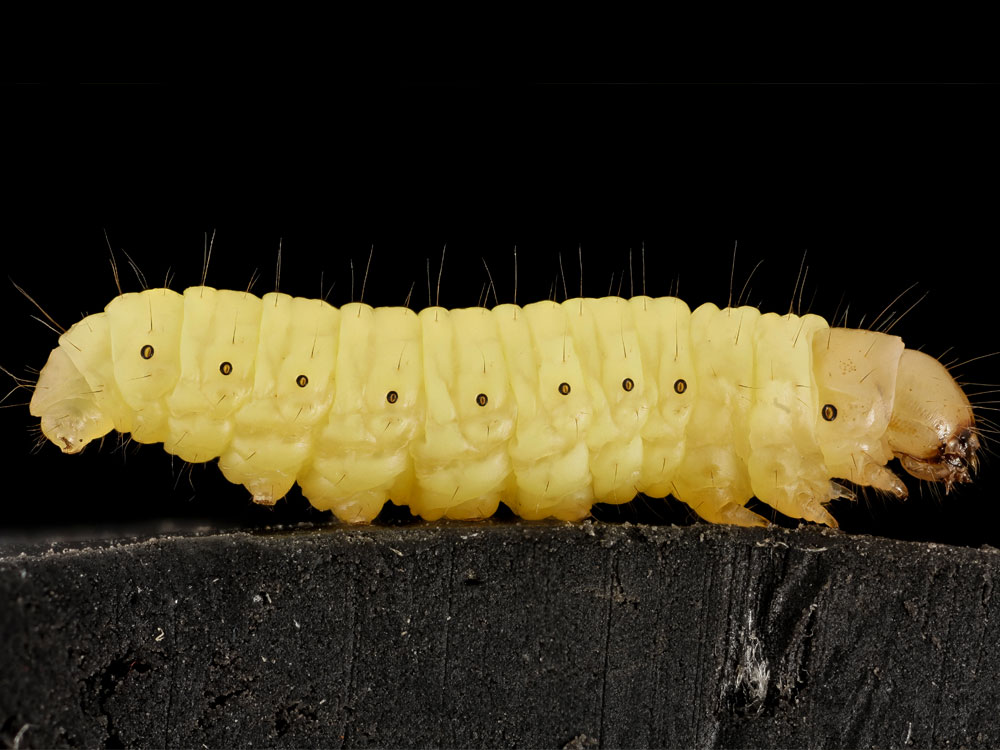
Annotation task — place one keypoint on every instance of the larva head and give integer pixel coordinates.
(70, 415)
(932, 431)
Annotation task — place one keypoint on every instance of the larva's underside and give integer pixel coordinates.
(548, 408)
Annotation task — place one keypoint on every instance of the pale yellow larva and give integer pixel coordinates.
(548, 407)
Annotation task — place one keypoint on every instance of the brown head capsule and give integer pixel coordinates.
(932, 430)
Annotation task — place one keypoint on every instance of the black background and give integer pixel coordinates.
(877, 186)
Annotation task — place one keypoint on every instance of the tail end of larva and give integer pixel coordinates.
(69, 415)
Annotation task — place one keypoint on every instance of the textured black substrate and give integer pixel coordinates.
(498, 635)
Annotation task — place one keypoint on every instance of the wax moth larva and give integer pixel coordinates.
(548, 407)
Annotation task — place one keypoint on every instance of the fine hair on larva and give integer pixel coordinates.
(546, 449)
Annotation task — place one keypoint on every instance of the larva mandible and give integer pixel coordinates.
(548, 407)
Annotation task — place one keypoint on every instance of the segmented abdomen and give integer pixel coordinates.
(549, 408)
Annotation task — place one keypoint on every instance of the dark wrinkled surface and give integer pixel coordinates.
(498, 635)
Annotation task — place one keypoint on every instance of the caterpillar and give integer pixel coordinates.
(547, 407)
